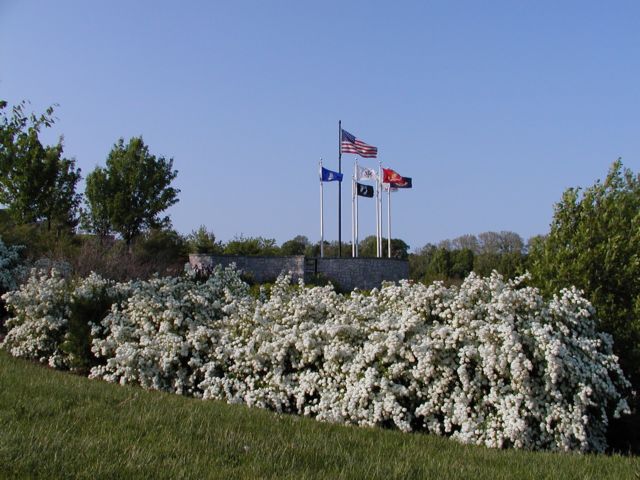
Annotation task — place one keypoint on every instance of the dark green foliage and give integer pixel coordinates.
(97, 218)
(320, 280)
(10, 266)
(77, 343)
(164, 246)
(368, 248)
(594, 244)
(130, 193)
(249, 278)
(399, 249)
(252, 246)
(10, 269)
(38, 240)
(37, 184)
(296, 246)
(461, 262)
(452, 260)
(433, 263)
(509, 264)
(331, 249)
(485, 263)
(204, 241)
(441, 263)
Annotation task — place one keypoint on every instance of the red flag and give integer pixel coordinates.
(391, 176)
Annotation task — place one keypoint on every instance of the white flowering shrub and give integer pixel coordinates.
(39, 312)
(487, 363)
(163, 334)
(490, 362)
(43, 312)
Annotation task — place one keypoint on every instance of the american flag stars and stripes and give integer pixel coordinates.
(350, 144)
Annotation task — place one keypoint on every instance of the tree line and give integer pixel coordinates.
(453, 260)
(38, 184)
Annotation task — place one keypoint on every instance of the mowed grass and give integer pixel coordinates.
(57, 425)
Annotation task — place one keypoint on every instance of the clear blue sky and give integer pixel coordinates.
(493, 108)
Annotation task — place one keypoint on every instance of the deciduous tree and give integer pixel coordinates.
(130, 193)
(296, 246)
(594, 244)
(36, 182)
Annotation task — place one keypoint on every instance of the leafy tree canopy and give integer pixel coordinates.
(36, 182)
(296, 246)
(203, 241)
(452, 260)
(129, 194)
(368, 246)
(594, 244)
(252, 246)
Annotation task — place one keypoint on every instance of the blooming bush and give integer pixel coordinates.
(39, 309)
(489, 362)
(45, 307)
(163, 334)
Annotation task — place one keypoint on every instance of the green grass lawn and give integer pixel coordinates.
(57, 425)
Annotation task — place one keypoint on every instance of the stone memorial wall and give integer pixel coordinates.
(345, 273)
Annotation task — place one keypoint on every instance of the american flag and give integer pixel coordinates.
(350, 144)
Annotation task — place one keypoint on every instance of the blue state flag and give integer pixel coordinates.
(330, 176)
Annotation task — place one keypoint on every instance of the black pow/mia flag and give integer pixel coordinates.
(365, 190)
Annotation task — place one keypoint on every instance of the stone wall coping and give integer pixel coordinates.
(298, 256)
(346, 272)
(360, 258)
(243, 256)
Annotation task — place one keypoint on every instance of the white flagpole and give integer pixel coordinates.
(356, 211)
(377, 220)
(321, 214)
(389, 222)
(353, 215)
(379, 209)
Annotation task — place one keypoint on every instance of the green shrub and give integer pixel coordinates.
(252, 246)
(84, 311)
(594, 244)
(203, 241)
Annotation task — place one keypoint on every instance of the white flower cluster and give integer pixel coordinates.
(40, 310)
(165, 332)
(488, 363)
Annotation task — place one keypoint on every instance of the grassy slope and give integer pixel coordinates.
(56, 425)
